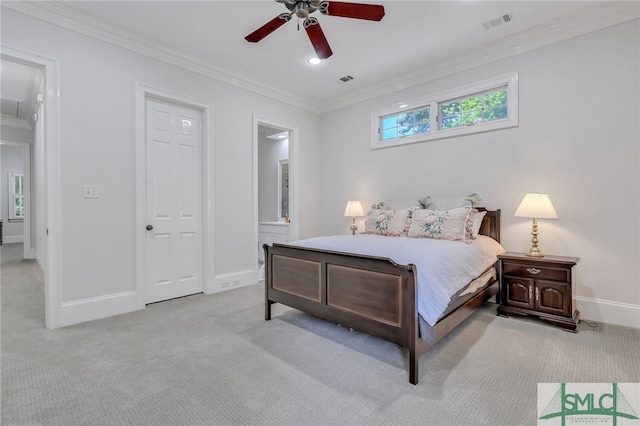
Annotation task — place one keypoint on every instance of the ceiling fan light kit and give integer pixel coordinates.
(302, 9)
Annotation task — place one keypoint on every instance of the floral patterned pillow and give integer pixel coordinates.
(455, 224)
(388, 222)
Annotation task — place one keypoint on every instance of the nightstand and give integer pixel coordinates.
(538, 286)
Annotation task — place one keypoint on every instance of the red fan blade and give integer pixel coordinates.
(318, 40)
(370, 12)
(268, 28)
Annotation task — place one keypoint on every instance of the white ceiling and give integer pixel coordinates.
(415, 41)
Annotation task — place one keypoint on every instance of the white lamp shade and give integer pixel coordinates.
(354, 209)
(536, 206)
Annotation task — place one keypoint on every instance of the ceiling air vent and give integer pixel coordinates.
(346, 78)
(507, 17)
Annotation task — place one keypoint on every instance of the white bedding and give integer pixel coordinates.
(444, 267)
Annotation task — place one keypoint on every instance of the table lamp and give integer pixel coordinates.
(354, 209)
(536, 206)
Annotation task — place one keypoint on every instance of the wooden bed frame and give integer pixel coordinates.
(373, 295)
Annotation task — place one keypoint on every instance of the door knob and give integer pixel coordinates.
(149, 227)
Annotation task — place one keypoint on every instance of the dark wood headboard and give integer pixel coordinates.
(491, 223)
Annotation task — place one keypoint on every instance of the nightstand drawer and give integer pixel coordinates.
(537, 272)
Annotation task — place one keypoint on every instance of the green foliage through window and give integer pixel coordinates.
(404, 124)
(483, 107)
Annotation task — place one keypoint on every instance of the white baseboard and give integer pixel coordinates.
(609, 312)
(97, 307)
(233, 280)
(10, 239)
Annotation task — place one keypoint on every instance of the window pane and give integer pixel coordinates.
(389, 122)
(496, 98)
(406, 131)
(496, 113)
(389, 133)
(471, 104)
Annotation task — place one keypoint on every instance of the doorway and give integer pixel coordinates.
(16, 195)
(275, 185)
(46, 207)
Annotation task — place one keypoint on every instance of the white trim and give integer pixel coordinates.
(294, 199)
(97, 307)
(602, 15)
(143, 92)
(13, 239)
(52, 207)
(224, 282)
(26, 183)
(8, 120)
(607, 311)
(64, 16)
(434, 101)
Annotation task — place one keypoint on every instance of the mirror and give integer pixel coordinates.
(283, 188)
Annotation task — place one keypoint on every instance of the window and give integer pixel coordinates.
(488, 105)
(405, 124)
(16, 197)
(474, 109)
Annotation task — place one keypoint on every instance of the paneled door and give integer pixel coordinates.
(173, 201)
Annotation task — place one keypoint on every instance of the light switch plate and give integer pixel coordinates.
(90, 191)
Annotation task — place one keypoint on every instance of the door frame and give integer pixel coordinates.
(294, 224)
(25, 149)
(144, 92)
(52, 203)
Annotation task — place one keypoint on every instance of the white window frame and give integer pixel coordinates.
(13, 217)
(509, 80)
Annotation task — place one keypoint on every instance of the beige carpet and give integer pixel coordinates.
(213, 360)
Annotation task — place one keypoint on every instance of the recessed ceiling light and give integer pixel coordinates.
(314, 61)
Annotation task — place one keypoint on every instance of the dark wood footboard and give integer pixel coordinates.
(373, 295)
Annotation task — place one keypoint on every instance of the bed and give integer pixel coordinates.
(370, 294)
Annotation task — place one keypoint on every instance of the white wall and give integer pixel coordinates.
(97, 147)
(578, 140)
(12, 162)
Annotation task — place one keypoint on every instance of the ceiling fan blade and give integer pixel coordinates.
(268, 28)
(371, 12)
(318, 40)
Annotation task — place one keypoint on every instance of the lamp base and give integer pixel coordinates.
(534, 251)
(534, 254)
(353, 226)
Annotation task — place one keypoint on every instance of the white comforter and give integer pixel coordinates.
(444, 267)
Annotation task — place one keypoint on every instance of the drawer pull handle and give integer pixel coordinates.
(530, 292)
(533, 271)
(537, 294)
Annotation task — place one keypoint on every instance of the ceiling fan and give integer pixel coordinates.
(303, 8)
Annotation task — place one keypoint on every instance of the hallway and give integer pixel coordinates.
(23, 280)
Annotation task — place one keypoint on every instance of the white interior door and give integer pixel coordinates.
(173, 201)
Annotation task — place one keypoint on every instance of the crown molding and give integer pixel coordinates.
(65, 17)
(602, 15)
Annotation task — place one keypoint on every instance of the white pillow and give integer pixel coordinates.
(477, 223)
